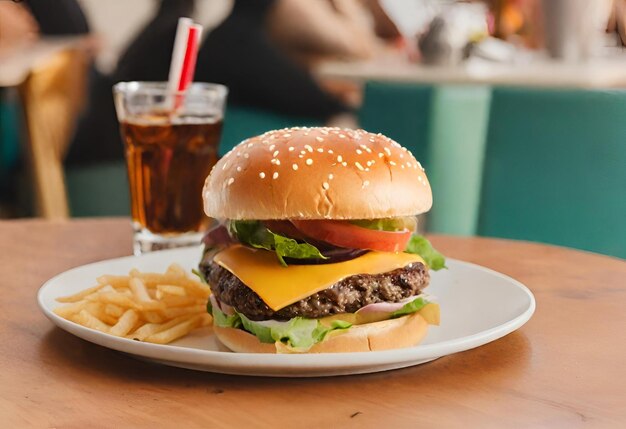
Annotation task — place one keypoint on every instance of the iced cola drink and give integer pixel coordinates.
(169, 154)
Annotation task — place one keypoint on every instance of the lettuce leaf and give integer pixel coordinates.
(200, 276)
(221, 319)
(254, 234)
(419, 245)
(388, 224)
(410, 307)
(299, 333)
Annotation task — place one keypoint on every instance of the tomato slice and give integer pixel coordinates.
(345, 234)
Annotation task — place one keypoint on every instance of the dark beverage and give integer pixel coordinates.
(168, 161)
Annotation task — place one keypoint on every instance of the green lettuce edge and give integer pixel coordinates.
(299, 333)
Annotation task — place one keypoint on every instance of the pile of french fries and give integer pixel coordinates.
(151, 307)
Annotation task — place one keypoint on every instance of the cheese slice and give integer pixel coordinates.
(280, 286)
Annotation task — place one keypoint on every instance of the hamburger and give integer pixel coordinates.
(316, 248)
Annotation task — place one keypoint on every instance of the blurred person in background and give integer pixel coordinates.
(17, 25)
(617, 20)
(256, 51)
(21, 24)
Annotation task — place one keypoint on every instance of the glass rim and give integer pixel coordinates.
(161, 88)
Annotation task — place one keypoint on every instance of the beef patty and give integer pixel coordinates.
(345, 296)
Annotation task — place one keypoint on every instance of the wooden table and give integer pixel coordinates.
(564, 369)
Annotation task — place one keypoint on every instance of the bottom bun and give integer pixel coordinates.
(389, 334)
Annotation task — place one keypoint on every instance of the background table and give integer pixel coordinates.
(564, 369)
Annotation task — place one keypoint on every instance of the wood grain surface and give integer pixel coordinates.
(565, 369)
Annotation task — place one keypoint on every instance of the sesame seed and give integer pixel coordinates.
(345, 164)
(387, 151)
(291, 148)
(339, 158)
(275, 161)
(325, 185)
(319, 139)
(294, 166)
(330, 151)
(238, 168)
(359, 151)
(302, 152)
(330, 176)
(275, 154)
(250, 144)
(380, 154)
(230, 181)
(419, 179)
(401, 155)
(225, 165)
(392, 163)
(275, 175)
(300, 156)
(408, 164)
(309, 161)
(320, 150)
(286, 135)
(262, 175)
(359, 166)
(402, 166)
(369, 163)
(308, 147)
(342, 136)
(324, 131)
(366, 183)
(420, 165)
(272, 147)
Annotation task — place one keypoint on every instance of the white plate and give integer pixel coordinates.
(478, 305)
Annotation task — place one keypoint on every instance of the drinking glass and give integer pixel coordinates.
(171, 141)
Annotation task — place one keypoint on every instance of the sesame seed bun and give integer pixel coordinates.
(389, 334)
(317, 173)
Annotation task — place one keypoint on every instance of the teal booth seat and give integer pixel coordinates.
(102, 189)
(243, 122)
(555, 169)
(400, 111)
(445, 127)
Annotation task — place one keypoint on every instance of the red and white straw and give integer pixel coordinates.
(184, 55)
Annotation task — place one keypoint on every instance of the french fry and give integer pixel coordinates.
(179, 301)
(69, 310)
(125, 323)
(90, 321)
(97, 310)
(153, 328)
(81, 295)
(152, 307)
(171, 313)
(139, 290)
(116, 298)
(162, 290)
(176, 270)
(118, 282)
(176, 331)
(113, 310)
(154, 317)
